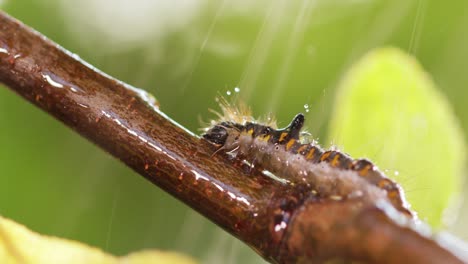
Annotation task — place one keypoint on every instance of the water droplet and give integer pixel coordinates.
(145, 96)
(75, 56)
(51, 81)
(12, 59)
(71, 86)
(237, 89)
(228, 92)
(83, 105)
(306, 107)
(396, 173)
(57, 82)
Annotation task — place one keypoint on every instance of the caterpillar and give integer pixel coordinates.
(284, 152)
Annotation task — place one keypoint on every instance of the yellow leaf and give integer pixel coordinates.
(20, 245)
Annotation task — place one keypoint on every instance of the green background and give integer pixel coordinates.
(282, 54)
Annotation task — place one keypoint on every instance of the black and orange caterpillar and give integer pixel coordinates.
(329, 173)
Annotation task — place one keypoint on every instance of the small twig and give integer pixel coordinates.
(125, 122)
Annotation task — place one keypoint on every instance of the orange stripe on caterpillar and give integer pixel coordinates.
(290, 143)
(337, 159)
(313, 153)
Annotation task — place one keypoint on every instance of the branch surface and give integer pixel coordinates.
(282, 223)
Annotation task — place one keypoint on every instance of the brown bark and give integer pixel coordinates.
(282, 223)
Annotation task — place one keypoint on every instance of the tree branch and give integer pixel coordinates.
(283, 224)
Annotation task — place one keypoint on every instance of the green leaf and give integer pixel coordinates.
(389, 110)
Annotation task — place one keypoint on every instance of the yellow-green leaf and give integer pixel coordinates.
(20, 245)
(389, 110)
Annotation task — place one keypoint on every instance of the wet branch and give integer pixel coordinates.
(283, 224)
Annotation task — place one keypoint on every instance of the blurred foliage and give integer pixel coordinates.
(282, 54)
(20, 245)
(387, 85)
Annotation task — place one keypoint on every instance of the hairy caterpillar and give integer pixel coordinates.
(329, 173)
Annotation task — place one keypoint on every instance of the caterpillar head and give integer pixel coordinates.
(225, 134)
